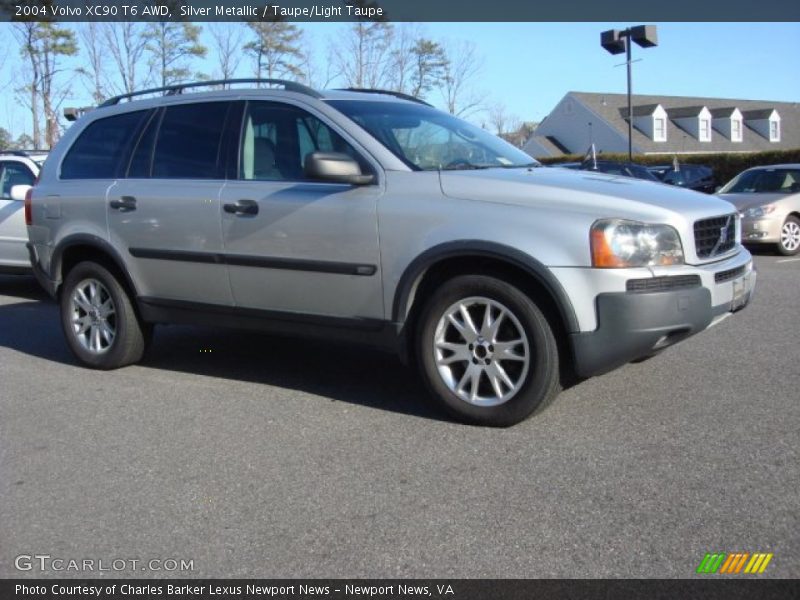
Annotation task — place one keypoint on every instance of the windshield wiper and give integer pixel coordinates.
(465, 166)
(526, 166)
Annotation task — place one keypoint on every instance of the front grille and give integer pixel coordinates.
(723, 276)
(662, 284)
(715, 236)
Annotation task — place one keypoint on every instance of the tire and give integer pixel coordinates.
(459, 362)
(789, 244)
(98, 319)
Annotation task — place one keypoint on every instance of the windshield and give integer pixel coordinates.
(761, 181)
(429, 140)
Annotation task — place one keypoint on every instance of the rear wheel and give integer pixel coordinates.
(99, 322)
(487, 352)
(789, 244)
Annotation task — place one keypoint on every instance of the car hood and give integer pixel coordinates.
(592, 193)
(745, 201)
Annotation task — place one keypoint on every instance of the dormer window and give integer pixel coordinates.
(694, 120)
(728, 121)
(766, 122)
(651, 120)
(736, 130)
(774, 131)
(659, 129)
(705, 130)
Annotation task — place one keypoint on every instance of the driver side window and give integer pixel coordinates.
(276, 138)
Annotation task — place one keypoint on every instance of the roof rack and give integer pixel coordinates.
(71, 113)
(400, 95)
(171, 90)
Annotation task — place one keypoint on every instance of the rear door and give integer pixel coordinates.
(166, 212)
(295, 245)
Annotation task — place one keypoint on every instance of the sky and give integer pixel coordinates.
(528, 67)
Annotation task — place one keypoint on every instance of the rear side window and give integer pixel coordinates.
(189, 144)
(11, 174)
(100, 150)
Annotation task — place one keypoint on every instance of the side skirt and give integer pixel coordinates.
(383, 335)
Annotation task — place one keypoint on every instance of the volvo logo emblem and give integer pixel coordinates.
(723, 236)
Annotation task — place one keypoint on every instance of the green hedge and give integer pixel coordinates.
(726, 166)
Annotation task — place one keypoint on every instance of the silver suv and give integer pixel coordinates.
(373, 217)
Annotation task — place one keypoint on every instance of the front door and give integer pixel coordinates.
(291, 244)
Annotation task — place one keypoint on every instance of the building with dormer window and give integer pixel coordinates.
(665, 125)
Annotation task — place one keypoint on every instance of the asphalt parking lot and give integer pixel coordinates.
(255, 456)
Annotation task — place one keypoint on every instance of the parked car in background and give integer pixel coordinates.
(769, 201)
(699, 178)
(17, 168)
(612, 167)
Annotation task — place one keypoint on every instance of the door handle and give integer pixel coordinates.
(124, 204)
(242, 207)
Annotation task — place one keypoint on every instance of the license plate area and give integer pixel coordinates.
(740, 295)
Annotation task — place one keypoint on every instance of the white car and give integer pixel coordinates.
(18, 170)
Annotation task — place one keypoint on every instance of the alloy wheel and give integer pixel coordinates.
(481, 351)
(790, 236)
(93, 316)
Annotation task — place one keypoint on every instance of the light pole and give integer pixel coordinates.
(617, 42)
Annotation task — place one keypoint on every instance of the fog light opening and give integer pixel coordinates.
(671, 338)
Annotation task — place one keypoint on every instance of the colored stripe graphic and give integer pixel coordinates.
(711, 562)
(734, 563)
(758, 563)
(724, 563)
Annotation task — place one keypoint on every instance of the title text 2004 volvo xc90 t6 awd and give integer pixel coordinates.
(378, 218)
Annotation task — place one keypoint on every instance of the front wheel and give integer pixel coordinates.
(789, 245)
(99, 322)
(487, 352)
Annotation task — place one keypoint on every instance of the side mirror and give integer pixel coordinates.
(335, 167)
(18, 192)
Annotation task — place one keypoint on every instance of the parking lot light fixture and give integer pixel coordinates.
(617, 42)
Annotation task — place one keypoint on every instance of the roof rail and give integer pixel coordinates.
(72, 113)
(171, 90)
(400, 95)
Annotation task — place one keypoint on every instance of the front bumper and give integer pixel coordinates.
(765, 230)
(638, 324)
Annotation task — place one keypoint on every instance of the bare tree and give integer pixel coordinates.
(519, 132)
(126, 43)
(429, 65)
(401, 58)
(94, 73)
(171, 47)
(227, 40)
(27, 34)
(276, 49)
(43, 45)
(461, 69)
(314, 74)
(5, 139)
(363, 59)
(498, 117)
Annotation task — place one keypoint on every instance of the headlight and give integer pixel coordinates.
(755, 212)
(617, 243)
